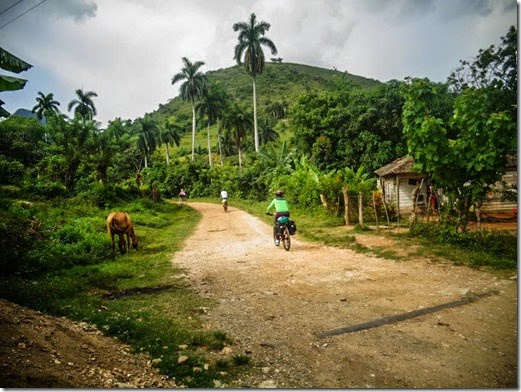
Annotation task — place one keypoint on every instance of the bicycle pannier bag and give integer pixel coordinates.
(292, 227)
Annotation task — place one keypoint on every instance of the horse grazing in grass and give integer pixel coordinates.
(120, 223)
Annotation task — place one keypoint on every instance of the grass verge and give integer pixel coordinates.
(139, 297)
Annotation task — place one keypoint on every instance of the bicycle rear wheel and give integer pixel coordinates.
(287, 238)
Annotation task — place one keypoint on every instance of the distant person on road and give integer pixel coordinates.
(224, 195)
(182, 195)
(281, 209)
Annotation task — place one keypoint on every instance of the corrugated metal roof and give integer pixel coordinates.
(404, 165)
(398, 166)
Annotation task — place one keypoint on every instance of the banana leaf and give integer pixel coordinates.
(11, 63)
(4, 113)
(10, 83)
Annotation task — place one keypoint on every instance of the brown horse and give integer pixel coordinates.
(120, 223)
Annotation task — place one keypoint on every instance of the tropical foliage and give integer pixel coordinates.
(466, 154)
(350, 127)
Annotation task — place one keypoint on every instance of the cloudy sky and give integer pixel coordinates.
(128, 50)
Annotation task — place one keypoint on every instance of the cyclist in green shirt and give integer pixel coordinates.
(281, 209)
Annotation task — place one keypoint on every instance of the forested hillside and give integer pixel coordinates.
(279, 82)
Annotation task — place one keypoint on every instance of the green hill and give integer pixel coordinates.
(280, 81)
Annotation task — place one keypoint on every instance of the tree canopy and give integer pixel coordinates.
(467, 153)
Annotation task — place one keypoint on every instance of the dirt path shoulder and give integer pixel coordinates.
(41, 351)
(273, 303)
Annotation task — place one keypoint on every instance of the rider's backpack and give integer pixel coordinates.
(282, 220)
(292, 227)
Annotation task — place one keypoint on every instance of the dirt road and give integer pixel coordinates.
(273, 303)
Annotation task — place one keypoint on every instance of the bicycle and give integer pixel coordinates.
(283, 234)
(225, 204)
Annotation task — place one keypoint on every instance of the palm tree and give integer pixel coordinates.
(211, 105)
(199, 150)
(266, 132)
(104, 147)
(251, 38)
(225, 144)
(277, 109)
(169, 135)
(236, 121)
(46, 105)
(192, 88)
(147, 140)
(83, 106)
(117, 128)
(70, 141)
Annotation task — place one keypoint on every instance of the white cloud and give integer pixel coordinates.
(78, 10)
(128, 50)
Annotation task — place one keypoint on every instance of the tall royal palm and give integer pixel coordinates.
(46, 105)
(251, 39)
(83, 106)
(236, 121)
(147, 137)
(169, 134)
(211, 105)
(192, 88)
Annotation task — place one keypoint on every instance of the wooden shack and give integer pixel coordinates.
(397, 180)
(495, 201)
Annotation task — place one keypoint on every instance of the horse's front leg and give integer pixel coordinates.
(113, 245)
(121, 243)
(111, 239)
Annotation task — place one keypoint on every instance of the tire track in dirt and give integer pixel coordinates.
(273, 302)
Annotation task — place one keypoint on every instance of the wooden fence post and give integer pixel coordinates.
(346, 204)
(360, 209)
(375, 212)
(323, 201)
(386, 213)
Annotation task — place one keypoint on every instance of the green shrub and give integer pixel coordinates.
(15, 243)
(141, 205)
(11, 172)
(103, 195)
(78, 242)
(301, 189)
(45, 189)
